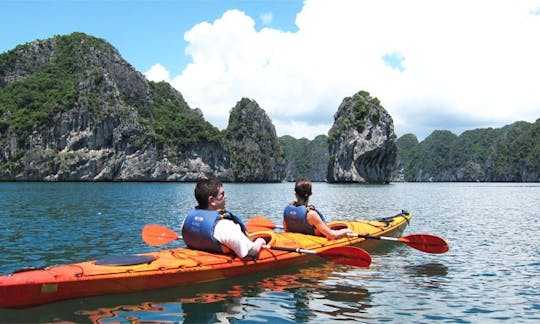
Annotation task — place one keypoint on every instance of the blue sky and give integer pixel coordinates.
(453, 65)
(145, 32)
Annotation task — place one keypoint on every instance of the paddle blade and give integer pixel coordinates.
(252, 228)
(259, 223)
(349, 255)
(157, 235)
(425, 243)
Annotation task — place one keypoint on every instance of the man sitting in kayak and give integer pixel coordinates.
(209, 227)
(300, 217)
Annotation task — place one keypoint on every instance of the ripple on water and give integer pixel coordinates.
(490, 274)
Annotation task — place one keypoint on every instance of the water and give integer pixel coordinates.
(490, 274)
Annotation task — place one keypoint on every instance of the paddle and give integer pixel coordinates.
(423, 242)
(258, 223)
(349, 255)
(157, 235)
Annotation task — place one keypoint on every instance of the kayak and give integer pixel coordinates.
(181, 266)
(177, 266)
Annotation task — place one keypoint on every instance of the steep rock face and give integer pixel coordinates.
(256, 153)
(71, 109)
(361, 142)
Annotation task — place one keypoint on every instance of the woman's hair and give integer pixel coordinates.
(303, 188)
(206, 188)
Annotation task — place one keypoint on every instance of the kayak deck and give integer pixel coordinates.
(175, 267)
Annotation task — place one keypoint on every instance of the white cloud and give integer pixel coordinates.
(299, 129)
(157, 73)
(474, 61)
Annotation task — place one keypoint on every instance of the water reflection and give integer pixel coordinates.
(297, 295)
(428, 270)
(429, 275)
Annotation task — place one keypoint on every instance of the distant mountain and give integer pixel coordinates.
(306, 158)
(507, 154)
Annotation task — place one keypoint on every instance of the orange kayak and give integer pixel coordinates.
(175, 267)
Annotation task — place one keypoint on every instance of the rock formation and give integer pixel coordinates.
(72, 109)
(255, 149)
(361, 142)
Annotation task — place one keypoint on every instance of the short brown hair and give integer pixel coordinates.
(206, 188)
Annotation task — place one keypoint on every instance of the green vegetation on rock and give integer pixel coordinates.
(306, 158)
(173, 123)
(510, 153)
(30, 102)
(256, 154)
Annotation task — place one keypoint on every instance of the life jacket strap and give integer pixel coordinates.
(227, 215)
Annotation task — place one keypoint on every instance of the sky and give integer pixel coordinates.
(434, 65)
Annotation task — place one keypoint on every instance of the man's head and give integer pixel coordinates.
(210, 194)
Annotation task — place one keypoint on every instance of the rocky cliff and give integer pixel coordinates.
(362, 143)
(255, 149)
(71, 109)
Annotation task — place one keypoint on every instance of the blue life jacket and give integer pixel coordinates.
(199, 225)
(295, 218)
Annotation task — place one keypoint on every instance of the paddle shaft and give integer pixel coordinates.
(371, 237)
(289, 249)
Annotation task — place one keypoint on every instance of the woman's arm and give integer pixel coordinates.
(320, 226)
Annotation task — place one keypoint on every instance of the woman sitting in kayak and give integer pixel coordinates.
(300, 217)
(209, 227)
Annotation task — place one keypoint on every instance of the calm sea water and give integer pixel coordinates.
(490, 274)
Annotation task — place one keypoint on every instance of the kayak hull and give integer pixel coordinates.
(176, 267)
